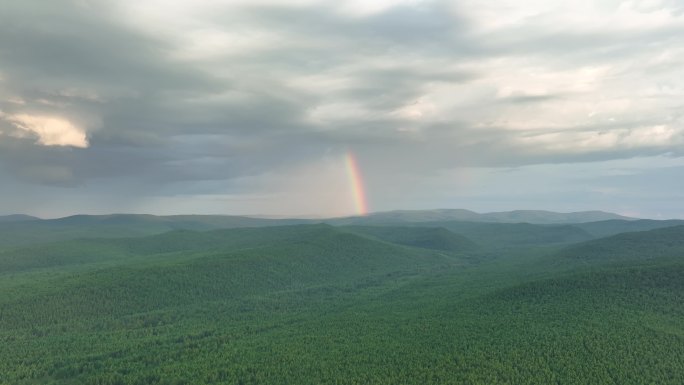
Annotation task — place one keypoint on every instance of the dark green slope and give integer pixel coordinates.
(17, 218)
(15, 234)
(19, 234)
(614, 327)
(501, 235)
(618, 326)
(435, 238)
(59, 255)
(607, 228)
(181, 244)
(661, 243)
(198, 318)
(401, 217)
(323, 305)
(303, 257)
(223, 239)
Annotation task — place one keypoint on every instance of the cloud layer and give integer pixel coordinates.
(250, 106)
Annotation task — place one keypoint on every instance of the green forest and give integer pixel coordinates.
(139, 300)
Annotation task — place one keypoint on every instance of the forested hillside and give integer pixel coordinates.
(607, 228)
(435, 238)
(312, 304)
(498, 235)
(17, 233)
(23, 230)
(640, 246)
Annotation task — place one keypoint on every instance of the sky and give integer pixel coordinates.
(326, 108)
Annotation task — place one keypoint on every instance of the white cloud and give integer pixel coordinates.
(596, 141)
(50, 131)
(584, 16)
(371, 7)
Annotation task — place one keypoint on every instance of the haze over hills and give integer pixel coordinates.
(189, 222)
(395, 216)
(497, 235)
(18, 233)
(666, 242)
(18, 230)
(517, 216)
(612, 227)
(17, 218)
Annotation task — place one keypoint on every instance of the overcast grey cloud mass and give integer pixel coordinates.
(250, 107)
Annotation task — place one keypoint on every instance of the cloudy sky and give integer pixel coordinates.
(252, 106)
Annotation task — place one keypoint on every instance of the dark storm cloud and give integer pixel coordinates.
(416, 27)
(413, 89)
(78, 60)
(75, 60)
(73, 44)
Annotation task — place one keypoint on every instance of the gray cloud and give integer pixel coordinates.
(227, 97)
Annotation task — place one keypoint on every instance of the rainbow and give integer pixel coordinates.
(356, 184)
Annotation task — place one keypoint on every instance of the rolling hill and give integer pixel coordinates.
(17, 234)
(639, 246)
(443, 215)
(602, 229)
(435, 238)
(498, 235)
(187, 244)
(19, 230)
(17, 218)
(462, 302)
(148, 274)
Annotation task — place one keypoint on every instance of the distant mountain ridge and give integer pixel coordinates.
(17, 218)
(29, 232)
(516, 216)
(205, 222)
